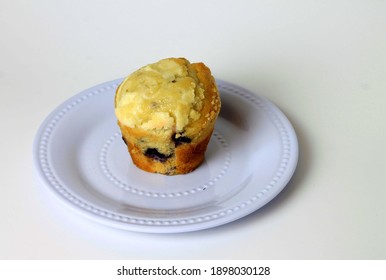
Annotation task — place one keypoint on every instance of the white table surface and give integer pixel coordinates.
(322, 62)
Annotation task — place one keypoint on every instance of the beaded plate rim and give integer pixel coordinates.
(282, 176)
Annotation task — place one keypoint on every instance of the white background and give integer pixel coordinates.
(322, 62)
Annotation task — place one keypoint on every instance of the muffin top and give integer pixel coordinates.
(168, 95)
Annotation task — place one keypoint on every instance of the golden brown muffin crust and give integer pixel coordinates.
(166, 112)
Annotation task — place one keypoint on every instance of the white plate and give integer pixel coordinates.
(80, 156)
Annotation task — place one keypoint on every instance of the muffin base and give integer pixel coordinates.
(186, 158)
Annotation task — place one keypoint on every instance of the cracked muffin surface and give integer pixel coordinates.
(166, 112)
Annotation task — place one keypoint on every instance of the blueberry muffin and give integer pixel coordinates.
(166, 112)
